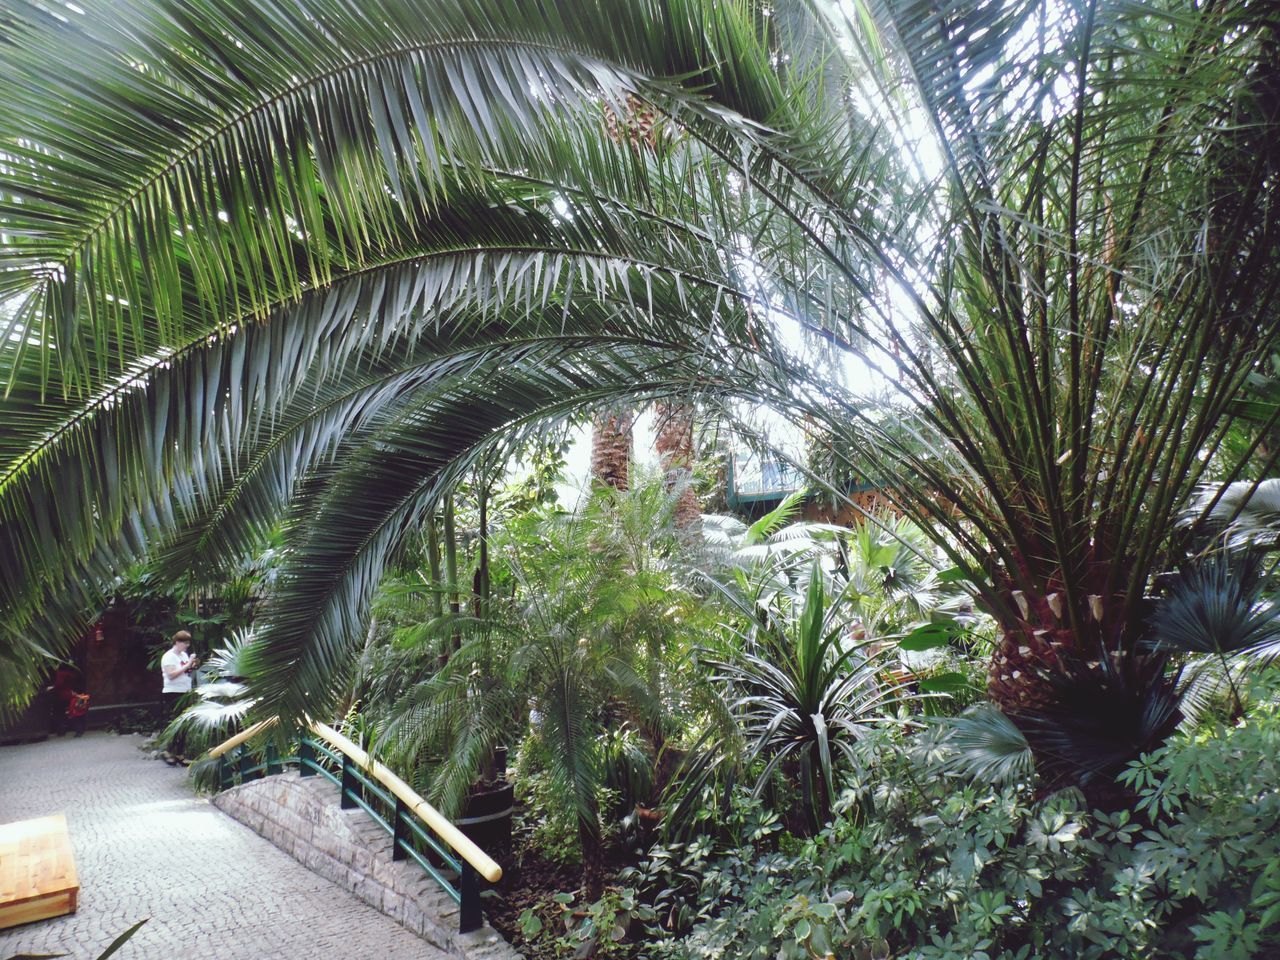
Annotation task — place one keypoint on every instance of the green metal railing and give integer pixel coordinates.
(418, 832)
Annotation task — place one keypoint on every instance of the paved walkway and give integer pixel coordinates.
(146, 846)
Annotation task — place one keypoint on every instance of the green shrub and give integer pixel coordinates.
(599, 930)
(922, 865)
(542, 815)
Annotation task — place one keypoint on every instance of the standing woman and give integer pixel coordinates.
(176, 667)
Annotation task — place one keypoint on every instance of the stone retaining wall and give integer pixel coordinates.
(301, 816)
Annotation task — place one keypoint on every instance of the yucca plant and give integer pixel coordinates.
(803, 691)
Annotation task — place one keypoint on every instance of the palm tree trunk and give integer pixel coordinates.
(611, 430)
(592, 860)
(433, 566)
(481, 585)
(451, 564)
(611, 448)
(674, 441)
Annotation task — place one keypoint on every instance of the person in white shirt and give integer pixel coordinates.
(176, 667)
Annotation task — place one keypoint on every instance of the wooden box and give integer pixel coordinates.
(37, 871)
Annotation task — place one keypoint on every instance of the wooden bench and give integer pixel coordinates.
(37, 871)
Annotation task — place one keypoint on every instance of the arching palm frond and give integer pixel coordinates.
(304, 155)
(324, 586)
(284, 398)
(247, 129)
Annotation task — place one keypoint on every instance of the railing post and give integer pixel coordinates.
(306, 757)
(251, 761)
(469, 914)
(225, 779)
(400, 831)
(240, 762)
(273, 760)
(348, 783)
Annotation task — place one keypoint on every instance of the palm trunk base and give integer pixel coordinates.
(593, 865)
(1020, 674)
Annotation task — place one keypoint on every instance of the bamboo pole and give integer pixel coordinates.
(461, 844)
(247, 734)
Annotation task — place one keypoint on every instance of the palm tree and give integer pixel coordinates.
(611, 447)
(612, 440)
(316, 258)
(282, 345)
(674, 443)
(586, 645)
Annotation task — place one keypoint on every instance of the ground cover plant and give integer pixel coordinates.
(920, 864)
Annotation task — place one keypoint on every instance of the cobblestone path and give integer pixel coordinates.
(146, 846)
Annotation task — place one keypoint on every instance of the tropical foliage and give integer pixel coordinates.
(583, 662)
(331, 269)
(930, 867)
(373, 294)
(364, 248)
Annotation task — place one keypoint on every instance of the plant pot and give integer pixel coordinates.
(486, 817)
(650, 817)
(664, 770)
